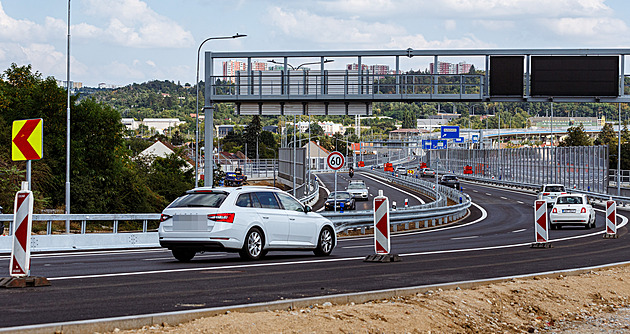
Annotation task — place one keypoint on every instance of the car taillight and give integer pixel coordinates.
(164, 217)
(563, 193)
(554, 210)
(222, 217)
(583, 210)
(545, 194)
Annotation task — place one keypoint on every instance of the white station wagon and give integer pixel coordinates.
(249, 220)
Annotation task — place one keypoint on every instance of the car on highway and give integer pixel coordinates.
(572, 209)
(340, 198)
(449, 180)
(427, 172)
(400, 170)
(549, 192)
(358, 190)
(249, 220)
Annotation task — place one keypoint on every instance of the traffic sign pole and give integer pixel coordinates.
(335, 161)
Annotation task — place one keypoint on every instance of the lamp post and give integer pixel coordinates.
(237, 35)
(67, 130)
(298, 67)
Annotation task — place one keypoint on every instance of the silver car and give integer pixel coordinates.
(358, 190)
(248, 220)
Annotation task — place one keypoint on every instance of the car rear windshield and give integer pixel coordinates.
(554, 189)
(202, 200)
(356, 186)
(569, 200)
(449, 177)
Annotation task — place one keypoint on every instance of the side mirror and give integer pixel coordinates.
(307, 209)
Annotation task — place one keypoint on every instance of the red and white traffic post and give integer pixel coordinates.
(382, 243)
(20, 264)
(611, 219)
(541, 224)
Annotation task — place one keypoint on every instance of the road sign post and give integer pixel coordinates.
(541, 225)
(382, 244)
(611, 219)
(335, 161)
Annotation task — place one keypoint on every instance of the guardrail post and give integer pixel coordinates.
(115, 228)
(83, 227)
(49, 227)
(144, 226)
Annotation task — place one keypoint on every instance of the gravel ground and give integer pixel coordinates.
(595, 302)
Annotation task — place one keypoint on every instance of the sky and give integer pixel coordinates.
(119, 42)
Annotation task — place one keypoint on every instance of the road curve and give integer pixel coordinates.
(93, 285)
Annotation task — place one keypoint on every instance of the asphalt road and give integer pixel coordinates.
(492, 242)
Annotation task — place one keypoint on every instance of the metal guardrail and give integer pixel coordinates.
(431, 213)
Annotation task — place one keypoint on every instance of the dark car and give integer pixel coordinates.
(450, 180)
(340, 197)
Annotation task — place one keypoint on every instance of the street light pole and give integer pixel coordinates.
(237, 35)
(67, 129)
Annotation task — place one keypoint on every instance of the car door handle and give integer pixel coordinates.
(265, 217)
(291, 218)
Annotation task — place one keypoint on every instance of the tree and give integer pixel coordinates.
(576, 136)
(409, 121)
(316, 130)
(252, 135)
(607, 136)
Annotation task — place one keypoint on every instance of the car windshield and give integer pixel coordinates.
(206, 200)
(554, 189)
(569, 200)
(339, 196)
(356, 186)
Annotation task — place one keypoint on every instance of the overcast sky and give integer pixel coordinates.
(124, 41)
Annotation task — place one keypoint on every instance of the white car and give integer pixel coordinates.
(427, 172)
(401, 170)
(248, 220)
(358, 190)
(572, 209)
(549, 192)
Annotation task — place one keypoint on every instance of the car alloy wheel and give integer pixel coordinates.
(252, 249)
(325, 243)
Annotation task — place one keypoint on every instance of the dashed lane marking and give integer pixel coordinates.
(521, 230)
(469, 237)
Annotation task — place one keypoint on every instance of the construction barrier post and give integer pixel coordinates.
(541, 225)
(20, 263)
(382, 245)
(611, 219)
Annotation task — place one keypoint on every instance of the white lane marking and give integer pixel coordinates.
(521, 230)
(484, 215)
(402, 191)
(91, 253)
(462, 238)
(475, 191)
(488, 194)
(361, 246)
(503, 197)
(519, 202)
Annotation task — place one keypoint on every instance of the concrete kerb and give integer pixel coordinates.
(138, 321)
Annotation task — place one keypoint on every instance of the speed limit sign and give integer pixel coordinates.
(335, 160)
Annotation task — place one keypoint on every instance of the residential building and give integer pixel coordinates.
(450, 68)
(430, 124)
(231, 67)
(163, 150)
(331, 128)
(161, 124)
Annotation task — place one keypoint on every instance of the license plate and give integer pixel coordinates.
(568, 210)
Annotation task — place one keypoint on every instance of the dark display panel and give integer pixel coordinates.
(575, 76)
(506, 75)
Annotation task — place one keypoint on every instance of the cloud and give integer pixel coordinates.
(132, 23)
(420, 42)
(450, 25)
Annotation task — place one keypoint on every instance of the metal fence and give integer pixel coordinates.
(579, 167)
(253, 169)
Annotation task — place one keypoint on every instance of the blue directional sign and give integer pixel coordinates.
(475, 138)
(426, 144)
(449, 132)
(439, 144)
(459, 140)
